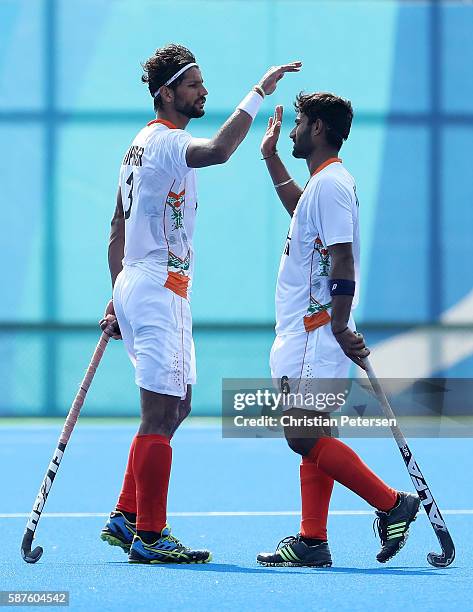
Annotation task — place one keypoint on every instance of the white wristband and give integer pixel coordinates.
(251, 103)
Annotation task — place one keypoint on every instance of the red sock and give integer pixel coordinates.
(340, 462)
(127, 499)
(152, 469)
(316, 490)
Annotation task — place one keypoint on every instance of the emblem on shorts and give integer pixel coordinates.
(324, 257)
(285, 385)
(176, 203)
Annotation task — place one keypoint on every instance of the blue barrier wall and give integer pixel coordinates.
(71, 100)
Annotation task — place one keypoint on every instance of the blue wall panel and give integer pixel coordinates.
(457, 214)
(21, 55)
(399, 257)
(99, 67)
(22, 229)
(71, 100)
(457, 34)
(89, 157)
(22, 374)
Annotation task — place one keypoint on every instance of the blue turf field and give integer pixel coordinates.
(215, 475)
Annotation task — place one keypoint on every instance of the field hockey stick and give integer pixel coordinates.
(436, 520)
(33, 556)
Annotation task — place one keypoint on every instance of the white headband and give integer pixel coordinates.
(173, 78)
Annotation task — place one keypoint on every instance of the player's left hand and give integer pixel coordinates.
(271, 136)
(353, 345)
(110, 317)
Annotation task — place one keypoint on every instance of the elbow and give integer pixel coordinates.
(343, 267)
(347, 261)
(346, 271)
(117, 225)
(220, 154)
(117, 234)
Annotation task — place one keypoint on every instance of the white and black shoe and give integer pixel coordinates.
(294, 552)
(393, 526)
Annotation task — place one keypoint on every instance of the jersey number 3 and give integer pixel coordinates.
(129, 181)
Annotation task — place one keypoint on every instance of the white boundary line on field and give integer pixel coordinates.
(218, 513)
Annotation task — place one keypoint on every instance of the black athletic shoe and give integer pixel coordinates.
(293, 552)
(393, 526)
(119, 531)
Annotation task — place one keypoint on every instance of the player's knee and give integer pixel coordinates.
(184, 410)
(301, 446)
(164, 426)
(159, 413)
(185, 405)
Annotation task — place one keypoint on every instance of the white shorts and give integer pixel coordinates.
(303, 358)
(156, 327)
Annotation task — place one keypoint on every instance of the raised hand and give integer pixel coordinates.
(270, 139)
(273, 75)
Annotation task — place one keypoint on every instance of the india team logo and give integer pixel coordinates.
(324, 261)
(178, 273)
(315, 306)
(317, 315)
(176, 264)
(176, 203)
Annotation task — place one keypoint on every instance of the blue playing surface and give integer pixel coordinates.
(210, 474)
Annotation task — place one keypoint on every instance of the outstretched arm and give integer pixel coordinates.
(286, 188)
(218, 149)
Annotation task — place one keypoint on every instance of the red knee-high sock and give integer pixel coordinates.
(316, 490)
(151, 468)
(127, 498)
(340, 462)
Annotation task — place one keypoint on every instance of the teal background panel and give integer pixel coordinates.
(22, 229)
(22, 76)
